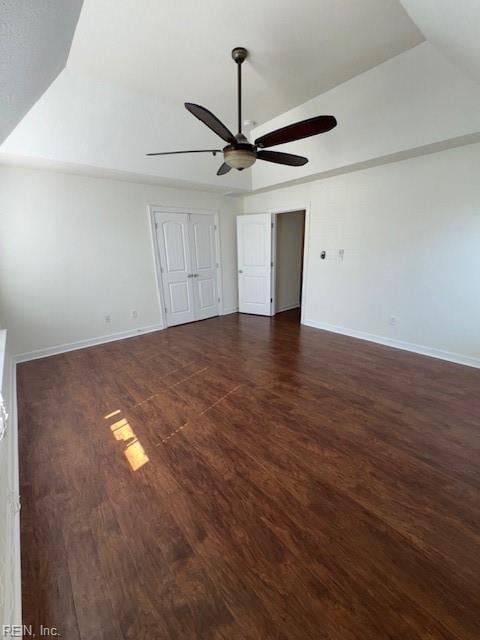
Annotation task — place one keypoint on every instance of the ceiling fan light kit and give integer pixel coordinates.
(239, 153)
(239, 158)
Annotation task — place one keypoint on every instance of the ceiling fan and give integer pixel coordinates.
(239, 152)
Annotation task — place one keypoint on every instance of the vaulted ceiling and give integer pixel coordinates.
(453, 27)
(181, 50)
(35, 39)
(133, 64)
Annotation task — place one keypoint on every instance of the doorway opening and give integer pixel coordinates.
(270, 253)
(288, 256)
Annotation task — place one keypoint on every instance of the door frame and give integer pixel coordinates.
(305, 206)
(152, 209)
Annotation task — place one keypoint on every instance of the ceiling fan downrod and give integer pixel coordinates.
(239, 54)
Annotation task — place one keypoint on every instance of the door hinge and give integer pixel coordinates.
(215, 227)
(218, 299)
(272, 225)
(156, 225)
(271, 299)
(271, 263)
(166, 310)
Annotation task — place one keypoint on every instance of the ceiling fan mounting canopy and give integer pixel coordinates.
(239, 153)
(239, 54)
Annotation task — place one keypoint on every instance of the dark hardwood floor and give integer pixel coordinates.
(247, 478)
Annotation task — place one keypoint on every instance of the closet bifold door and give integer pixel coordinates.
(172, 231)
(204, 265)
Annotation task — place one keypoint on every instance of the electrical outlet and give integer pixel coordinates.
(392, 321)
(134, 313)
(108, 318)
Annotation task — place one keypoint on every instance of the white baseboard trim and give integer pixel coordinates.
(89, 342)
(226, 312)
(432, 352)
(287, 307)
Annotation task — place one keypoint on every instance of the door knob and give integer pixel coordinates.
(240, 271)
(190, 275)
(195, 275)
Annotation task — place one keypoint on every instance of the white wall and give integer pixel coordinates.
(10, 596)
(74, 249)
(288, 259)
(414, 100)
(411, 235)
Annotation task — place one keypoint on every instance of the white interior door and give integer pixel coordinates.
(189, 267)
(204, 265)
(254, 245)
(176, 273)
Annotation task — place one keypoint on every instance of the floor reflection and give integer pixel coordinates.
(122, 431)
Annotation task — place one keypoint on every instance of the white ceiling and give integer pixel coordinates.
(133, 63)
(34, 45)
(453, 26)
(180, 49)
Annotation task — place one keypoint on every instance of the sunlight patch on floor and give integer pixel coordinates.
(123, 432)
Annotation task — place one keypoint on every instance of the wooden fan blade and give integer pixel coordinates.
(297, 131)
(211, 121)
(282, 158)
(225, 168)
(171, 153)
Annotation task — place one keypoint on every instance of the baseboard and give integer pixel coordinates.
(82, 344)
(226, 312)
(432, 352)
(287, 307)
